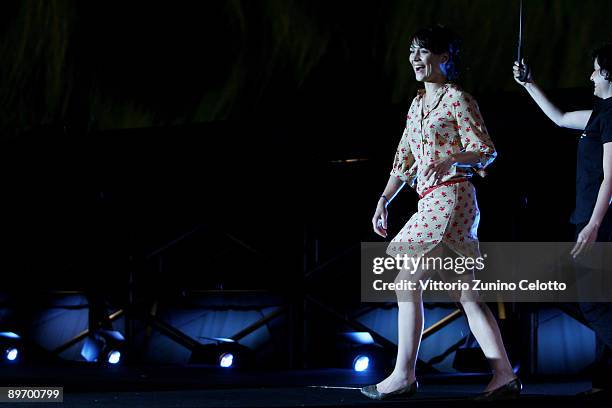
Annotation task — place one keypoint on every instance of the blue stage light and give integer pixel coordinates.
(362, 338)
(226, 360)
(361, 363)
(103, 347)
(114, 357)
(12, 354)
(10, 335)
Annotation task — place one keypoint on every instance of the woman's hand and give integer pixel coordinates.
(518, 69)
(438, 168)
(586, 237)
(379, 221)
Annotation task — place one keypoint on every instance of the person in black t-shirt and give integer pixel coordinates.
(592, 215)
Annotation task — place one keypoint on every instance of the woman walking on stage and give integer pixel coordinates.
(444, 143)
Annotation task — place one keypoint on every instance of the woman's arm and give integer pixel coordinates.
(403, 171)
(589, 232)
(438, 168)
(477, 150)
(394, 185)
(605, 190)
(466, 159)
(572, 120)
(379, 220)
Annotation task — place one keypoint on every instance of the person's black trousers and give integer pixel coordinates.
(598, 316)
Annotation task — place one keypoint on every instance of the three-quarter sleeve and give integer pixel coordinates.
(473, 134)
(404, 165)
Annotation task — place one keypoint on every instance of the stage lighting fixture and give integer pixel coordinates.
(359, 351)
(12, 354)
(361, 363)
(225, 353)
(104, 347)
(362, 338)
(226, 360)
(10, 344)
(114, 357)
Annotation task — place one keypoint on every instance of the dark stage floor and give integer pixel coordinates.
(206, 387)
(430, 395)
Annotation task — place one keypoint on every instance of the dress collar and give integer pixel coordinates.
(436, 99)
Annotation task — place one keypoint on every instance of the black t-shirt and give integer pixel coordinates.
(589, 171)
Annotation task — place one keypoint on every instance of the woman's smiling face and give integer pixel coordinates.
(426, 64)
(602, 88)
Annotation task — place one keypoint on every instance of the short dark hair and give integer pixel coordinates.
(603, 55)
(440, 39)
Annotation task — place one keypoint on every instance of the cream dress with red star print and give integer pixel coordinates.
(448, 213)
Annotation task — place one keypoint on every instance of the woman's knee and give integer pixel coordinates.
(406, 292)
(409, 297)
(471, 302)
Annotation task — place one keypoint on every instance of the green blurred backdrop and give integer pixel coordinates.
(105, 64)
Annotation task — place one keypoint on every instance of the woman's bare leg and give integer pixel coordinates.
(410, 320)
(484, 326)
(485, 329)
(409, 331)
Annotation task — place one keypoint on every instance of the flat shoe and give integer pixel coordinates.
(507, 391)
(370, 391)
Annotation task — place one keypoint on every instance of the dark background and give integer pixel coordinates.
(167, 115)
(227, 125)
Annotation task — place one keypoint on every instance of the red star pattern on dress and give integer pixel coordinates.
(450, 212)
